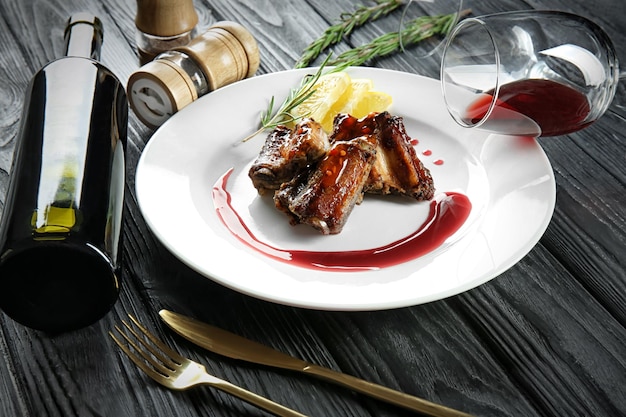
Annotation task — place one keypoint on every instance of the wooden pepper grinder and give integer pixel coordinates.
(163, 25)
(225, 53)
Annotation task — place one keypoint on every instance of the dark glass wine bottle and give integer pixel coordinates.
(60, 233)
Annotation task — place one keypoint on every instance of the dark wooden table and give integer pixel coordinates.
(545, 338)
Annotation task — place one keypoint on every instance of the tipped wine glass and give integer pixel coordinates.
(531, 73)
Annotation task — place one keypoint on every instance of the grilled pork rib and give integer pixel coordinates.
(324, 195)
(397, 169)
(286, 152)
(318, 179)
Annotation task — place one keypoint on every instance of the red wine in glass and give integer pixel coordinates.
(556, 108)
(529, 73)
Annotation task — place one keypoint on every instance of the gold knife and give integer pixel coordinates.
(233, 346)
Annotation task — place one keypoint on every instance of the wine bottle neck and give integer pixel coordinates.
(83, 36)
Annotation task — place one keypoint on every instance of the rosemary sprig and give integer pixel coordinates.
(415, 31)
(271, 118)
(348, 22)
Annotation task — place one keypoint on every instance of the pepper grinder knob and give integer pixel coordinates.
(226, 53)
(163, 25)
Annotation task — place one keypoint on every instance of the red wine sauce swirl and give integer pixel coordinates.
(448, 212)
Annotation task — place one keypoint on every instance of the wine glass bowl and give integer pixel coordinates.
(531, 73)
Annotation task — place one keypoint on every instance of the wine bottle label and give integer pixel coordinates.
(58, 221)
(56, 209)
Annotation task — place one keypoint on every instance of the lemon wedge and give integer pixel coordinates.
(338, 93)
(328, 90)
(360, 86)
(371, 101)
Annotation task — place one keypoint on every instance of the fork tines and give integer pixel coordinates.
(173, 371)
(153, 361)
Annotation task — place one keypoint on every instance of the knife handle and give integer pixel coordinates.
(383, 393)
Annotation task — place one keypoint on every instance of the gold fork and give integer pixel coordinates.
(174, 371)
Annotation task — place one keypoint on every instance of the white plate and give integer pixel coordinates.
(508, 180)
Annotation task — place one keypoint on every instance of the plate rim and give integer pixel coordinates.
(321, 305)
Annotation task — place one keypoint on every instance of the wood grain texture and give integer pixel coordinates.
(546, 338)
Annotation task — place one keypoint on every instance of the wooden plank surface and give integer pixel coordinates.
(546, 338)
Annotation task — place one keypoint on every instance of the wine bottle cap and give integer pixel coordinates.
(83, 36)
(84, 17)
(158, 90)
(165, 17)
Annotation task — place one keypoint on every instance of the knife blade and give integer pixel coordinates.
(228, 344)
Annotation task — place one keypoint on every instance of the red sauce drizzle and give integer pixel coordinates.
(427, 152)
(438, 162)
(447, 214)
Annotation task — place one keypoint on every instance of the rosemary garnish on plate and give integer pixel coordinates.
(271, 118)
